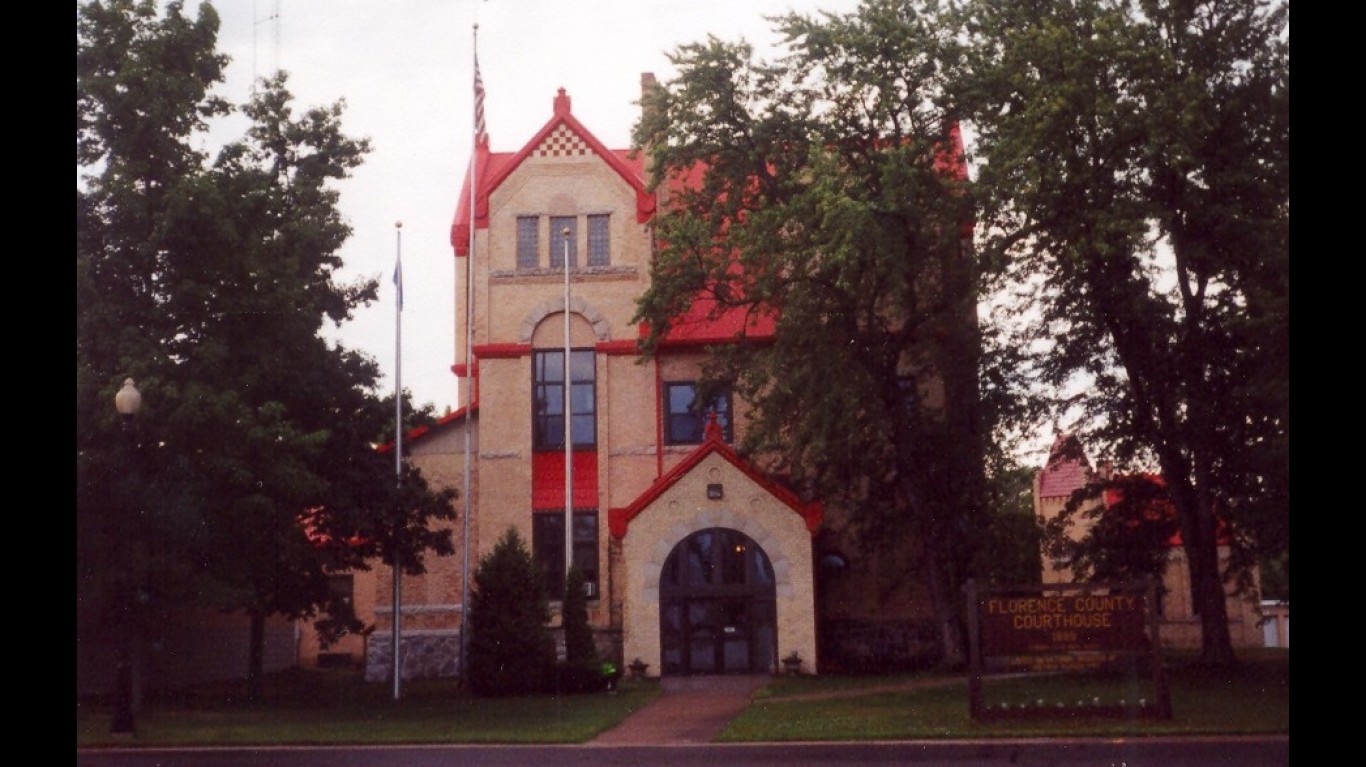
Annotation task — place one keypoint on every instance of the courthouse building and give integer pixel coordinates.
(696, 560)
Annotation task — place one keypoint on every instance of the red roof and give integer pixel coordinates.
(494, 168)
(418, 431)
(1067, 469)
(619, 519)
(704, 322)
(1114, 495)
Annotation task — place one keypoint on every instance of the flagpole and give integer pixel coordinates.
(568, 428)
(480, 137)
(398, 452)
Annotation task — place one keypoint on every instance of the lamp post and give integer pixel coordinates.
(127, 402)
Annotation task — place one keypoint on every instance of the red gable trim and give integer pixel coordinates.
(418, 431)
(486, 164)
(494, 169)
(645, 204)
(619, 519)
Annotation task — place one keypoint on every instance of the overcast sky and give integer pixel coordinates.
(405, 69)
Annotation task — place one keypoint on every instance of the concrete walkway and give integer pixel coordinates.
(690, 709)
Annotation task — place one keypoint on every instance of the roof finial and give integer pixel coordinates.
(561, 102)
(713, 430)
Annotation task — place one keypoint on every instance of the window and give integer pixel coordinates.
(557, 226)
(528, 230)
(342, 589)
(710, 561)
(686, 424)
(599, 240)
(547, 543)
(548, 399)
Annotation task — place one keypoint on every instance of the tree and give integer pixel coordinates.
(581, 671)
(831, 199)
(1009, 549)
(1128, 522)
(579, 648)
(1135, 161)
(209, 283)
(511, 651)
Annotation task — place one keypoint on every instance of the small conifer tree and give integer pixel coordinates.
(511, 651)
(579, 649)
(582, 671)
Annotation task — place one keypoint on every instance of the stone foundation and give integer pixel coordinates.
(607, 642)
(429, 654)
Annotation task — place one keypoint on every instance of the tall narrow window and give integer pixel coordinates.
(547, 543)
(343, 590)
(548, 399)
(687, 418)
(557, 226)
(528, 230)
(599, 240)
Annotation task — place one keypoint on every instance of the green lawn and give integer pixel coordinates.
(336, 707)
(311, 707)
(1254, 698)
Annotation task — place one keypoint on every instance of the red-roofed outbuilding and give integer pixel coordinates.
(1067, 472)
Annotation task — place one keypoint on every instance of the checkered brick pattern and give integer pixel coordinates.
(562, 142)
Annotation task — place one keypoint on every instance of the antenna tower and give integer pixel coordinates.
(257, 21)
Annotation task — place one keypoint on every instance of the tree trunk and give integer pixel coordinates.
(1207, 590)
(256, 655)
(1199, 537)
(952, 654)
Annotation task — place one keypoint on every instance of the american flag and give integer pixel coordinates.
(481, 134)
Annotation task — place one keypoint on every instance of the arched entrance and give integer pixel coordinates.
(717, 609)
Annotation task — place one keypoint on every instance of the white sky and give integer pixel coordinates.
(405, 69)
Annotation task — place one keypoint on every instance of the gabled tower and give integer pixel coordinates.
(706, 566)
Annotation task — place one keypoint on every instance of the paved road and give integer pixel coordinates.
(1147, 752)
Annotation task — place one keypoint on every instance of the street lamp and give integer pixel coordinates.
(127, 402)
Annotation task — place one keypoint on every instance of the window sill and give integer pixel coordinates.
(546, 274)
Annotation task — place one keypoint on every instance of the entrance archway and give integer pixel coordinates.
(717, 606)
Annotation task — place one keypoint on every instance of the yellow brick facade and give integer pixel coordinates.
(519, 309)
(747, 507)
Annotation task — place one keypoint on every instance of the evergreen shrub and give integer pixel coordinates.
(511, 650)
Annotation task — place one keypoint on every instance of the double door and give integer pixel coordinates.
(717, 606)
(720, 637)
